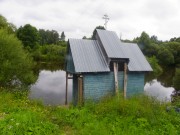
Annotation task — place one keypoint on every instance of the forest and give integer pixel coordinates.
(21, 49)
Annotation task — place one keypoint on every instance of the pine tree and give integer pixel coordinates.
(63, 36)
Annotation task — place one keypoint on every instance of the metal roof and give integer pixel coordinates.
(111, 43)
(87, 56)
(137, 60)
(117, 49)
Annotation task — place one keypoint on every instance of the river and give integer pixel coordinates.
(50, 86)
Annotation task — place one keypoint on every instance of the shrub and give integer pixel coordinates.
(157, 70)
(16, 64)
(176, 80)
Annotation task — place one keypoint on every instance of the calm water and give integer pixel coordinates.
(156, 89)
(50, 87)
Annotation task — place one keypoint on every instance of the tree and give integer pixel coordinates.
(28, 35)
(175, 39)
(152, 50)
(48, 37)
(176, 80)
(84, 37)
(16, 65)
(174, 48)
(176, 84)
(154, 39)
(43, 37)
(63, 36)
(52, 37)
(144, 41)
(165, 56)
(157, 70)
(9, 27)
(94, 31)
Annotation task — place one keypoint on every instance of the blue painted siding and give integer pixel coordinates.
(135, 84)
(70, 64)
(98, 85)
(120, 80)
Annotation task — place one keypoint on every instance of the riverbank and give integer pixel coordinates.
(138, 115)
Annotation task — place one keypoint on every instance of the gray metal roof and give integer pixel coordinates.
(111, 44)
(137, 60)
(87, 56)
(117, 49)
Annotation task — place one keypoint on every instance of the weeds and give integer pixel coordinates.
(136, 115)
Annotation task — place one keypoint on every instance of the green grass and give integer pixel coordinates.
(136, 116)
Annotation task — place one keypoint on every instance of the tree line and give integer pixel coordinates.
(167, 52)
(19, 47)
(44, 45)
(161, 54)
(31, 37)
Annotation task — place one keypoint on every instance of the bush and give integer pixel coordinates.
(157, 70)
(49, 53)
(16, 65)
(176, 84)
(113, 115)
(176, 80)
(165, 56)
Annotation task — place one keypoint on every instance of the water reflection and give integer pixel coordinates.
(50, 88)
(166, 78)
(156, 89)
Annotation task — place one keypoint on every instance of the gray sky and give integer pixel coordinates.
(78, 18)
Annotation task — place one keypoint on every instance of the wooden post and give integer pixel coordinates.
(116, 77)
(80, 91)
(66, 88)
(125, 79)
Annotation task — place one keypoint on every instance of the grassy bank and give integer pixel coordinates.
(138, 115)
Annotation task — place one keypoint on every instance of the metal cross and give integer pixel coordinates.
(106, 18)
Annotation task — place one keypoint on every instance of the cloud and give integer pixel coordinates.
(161, 9)
(79, 18)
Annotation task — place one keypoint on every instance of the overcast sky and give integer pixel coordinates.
(78, 18)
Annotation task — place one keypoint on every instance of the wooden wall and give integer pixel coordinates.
(98, 85)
